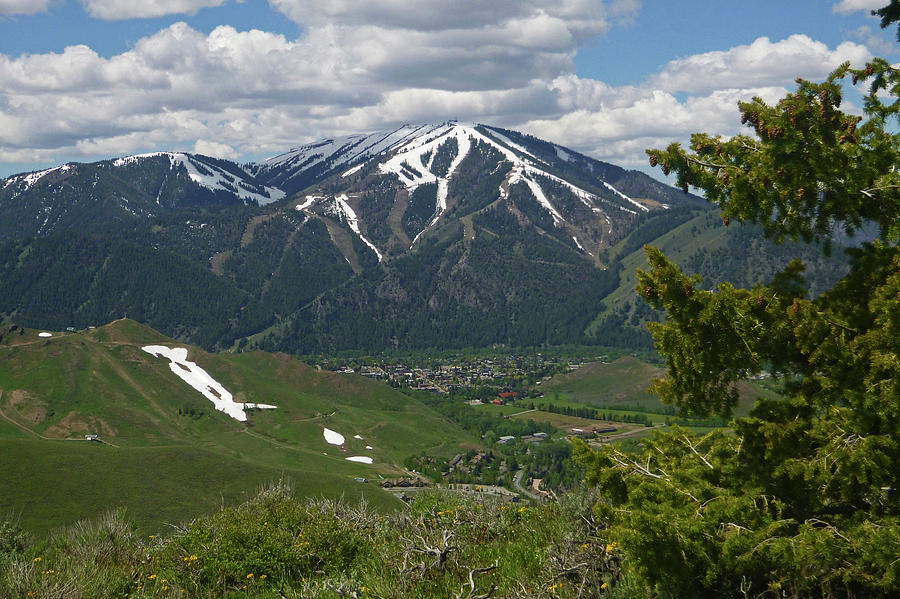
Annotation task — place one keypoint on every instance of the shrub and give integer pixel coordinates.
(272, 538)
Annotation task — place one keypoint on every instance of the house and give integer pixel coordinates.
(496, 402)
(506, 439)
(541, 435)
(92, 438)
(508, 395)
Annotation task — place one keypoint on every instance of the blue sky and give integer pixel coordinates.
(90, 79)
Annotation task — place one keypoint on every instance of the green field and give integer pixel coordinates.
(167, 454)
(623, 384)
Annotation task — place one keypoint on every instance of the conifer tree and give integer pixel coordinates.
(802, 500)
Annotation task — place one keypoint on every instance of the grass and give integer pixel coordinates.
(273, 546)
(623, 384)
(63, 481)
(563, 403)
(678, 244)
(620, 383)
(159, 458)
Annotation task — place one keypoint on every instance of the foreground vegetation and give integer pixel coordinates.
(276, 546)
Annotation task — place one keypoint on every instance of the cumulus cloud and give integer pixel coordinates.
(214, 149)
(113, 10)
(848, 6)
(584, 17)
(24, 7)
(874, 40)
(760, 63)
(234, 94)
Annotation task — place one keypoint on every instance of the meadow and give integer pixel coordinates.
(164, 453)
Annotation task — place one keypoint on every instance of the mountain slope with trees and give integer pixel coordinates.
(446, 235)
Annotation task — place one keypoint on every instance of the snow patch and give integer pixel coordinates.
(538, 193)
(353, 222)
(511, 143)
(368, 447)
(580, 247)
(353, 170)
(340, 151)
(310, 200)
(31, 178)
(360, 458)
(625, 197)
(332, 437)
(357, 437)
(562, 154)
(45, 334)
(211, 177)
(126, 160)
(200, 380)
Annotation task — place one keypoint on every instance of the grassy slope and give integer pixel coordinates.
(678, 245)
(624, 382)
(161, 464)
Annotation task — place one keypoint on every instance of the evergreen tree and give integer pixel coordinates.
(803, 499)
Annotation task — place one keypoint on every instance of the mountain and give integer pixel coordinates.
(136, 187)
(180, 431)
(440, 235)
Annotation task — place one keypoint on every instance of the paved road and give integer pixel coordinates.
(517, 482)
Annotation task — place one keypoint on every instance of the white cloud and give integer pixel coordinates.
(24, 7)
(214, 149)
(760, 63)
(236, 94)
(874, 40)
(619, 130)
(848, 6)
(583, 17)
(114, 10)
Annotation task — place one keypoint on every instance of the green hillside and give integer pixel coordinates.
(165, 449)
(623, 384)
(700, 243)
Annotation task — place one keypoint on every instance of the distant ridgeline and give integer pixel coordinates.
(429, 236)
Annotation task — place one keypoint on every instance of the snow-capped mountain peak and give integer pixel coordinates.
(214, 175)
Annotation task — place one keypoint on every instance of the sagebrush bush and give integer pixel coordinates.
(272, 538)
(275, 547)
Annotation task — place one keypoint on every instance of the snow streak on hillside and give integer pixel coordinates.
(212, 177)
(339, 151)
(347, 214)
(413, 163)
(200, 380)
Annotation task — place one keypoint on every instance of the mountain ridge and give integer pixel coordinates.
(437, 235)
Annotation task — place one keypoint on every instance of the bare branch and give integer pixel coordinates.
(471, 584)
(693, 449)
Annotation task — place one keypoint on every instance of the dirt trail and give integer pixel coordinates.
(25, 428)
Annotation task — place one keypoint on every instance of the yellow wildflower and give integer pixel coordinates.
(250, 575)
